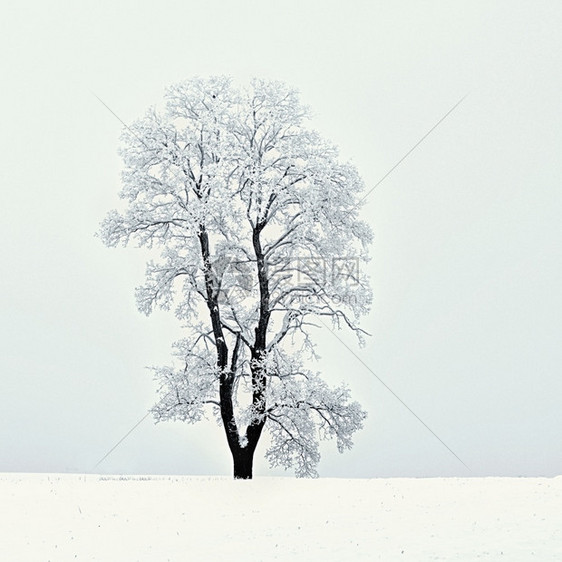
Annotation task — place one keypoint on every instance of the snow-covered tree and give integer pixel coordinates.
(258, 226)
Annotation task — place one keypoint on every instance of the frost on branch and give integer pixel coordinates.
(302, 408)
(184, 393)
(257, 225)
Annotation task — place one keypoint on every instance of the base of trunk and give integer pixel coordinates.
(243, 464)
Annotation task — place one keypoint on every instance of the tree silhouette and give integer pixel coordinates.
(258, 227)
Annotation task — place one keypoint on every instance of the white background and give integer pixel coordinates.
(466, 262)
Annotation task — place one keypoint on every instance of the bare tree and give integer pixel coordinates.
(257, 224)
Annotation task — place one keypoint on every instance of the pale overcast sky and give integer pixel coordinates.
(466, 269)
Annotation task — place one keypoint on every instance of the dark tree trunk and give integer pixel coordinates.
(243, 463)
(243, 457)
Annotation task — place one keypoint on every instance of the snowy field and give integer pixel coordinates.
(115, 519)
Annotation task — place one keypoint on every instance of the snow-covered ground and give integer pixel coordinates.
(72, 517)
